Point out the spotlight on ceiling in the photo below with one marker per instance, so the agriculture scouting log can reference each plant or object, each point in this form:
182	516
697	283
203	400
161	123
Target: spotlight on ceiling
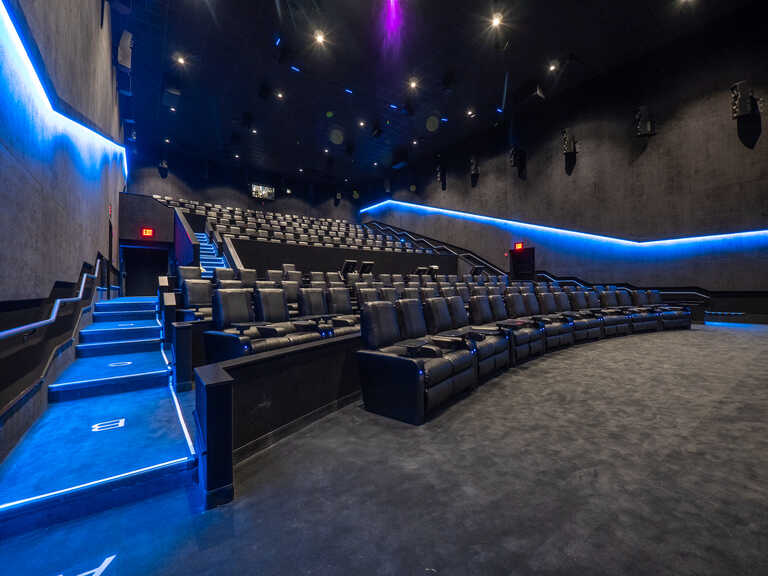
237	156
470	113
375	163
496	21
319	37
280	95
413	83
254	131
415	142
325	150
553	66
288	191
167	140
301	170
173	109
361	123
181	60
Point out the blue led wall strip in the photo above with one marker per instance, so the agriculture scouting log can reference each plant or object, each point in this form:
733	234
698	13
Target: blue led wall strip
9	36
573	233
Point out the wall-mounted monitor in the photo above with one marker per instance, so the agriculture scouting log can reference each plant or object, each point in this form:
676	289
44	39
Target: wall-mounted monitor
262	192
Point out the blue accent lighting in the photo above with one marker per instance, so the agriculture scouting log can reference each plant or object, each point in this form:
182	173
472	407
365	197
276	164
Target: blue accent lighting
25	106
594	244
347	90
277	41
500	110
444	120
295	69
393	107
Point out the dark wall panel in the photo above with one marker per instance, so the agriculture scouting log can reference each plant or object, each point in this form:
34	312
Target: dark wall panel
138	211
263	256
703	173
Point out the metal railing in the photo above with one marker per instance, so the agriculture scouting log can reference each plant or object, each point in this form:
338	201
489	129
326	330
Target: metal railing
55	310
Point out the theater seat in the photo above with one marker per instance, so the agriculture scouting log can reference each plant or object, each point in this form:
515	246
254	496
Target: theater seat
641	319
615	322
197	300
558	329
340	305
482	319
405	374
586	325
526	334
671	316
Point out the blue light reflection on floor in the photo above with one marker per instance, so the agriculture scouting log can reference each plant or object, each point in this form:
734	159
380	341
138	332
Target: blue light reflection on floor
738	326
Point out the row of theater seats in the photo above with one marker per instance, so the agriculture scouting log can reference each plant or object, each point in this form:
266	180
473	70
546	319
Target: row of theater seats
281	228
423	352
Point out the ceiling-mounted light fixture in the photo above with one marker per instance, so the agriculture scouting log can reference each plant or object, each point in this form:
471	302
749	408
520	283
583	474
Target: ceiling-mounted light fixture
319	37
413	83
496	20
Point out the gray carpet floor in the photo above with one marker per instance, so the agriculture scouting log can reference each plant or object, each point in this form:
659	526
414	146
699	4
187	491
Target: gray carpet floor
643	455
638	455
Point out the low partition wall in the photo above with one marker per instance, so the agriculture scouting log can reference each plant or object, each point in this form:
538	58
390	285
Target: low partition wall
263	256
247	404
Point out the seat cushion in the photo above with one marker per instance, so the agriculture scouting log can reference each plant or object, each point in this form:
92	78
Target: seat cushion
525	335
436	370
459	359
614	319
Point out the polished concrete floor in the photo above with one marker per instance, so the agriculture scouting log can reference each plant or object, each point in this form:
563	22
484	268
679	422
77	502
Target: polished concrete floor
640	455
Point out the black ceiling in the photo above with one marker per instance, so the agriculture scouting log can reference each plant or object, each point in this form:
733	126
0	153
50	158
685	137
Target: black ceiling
233	71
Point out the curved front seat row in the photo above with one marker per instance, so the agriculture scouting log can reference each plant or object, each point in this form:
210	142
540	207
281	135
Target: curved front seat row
404	373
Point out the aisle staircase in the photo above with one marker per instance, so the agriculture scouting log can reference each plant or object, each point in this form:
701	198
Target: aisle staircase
209	258
113	430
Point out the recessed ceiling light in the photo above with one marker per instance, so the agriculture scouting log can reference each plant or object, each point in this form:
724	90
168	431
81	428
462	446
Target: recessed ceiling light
496	21
181	60
413	83
301	170
415	142
375	163
552	66
319	37
325	150
237	156
173	109
254	131
280	95
167	140
361	123
288	191
470	112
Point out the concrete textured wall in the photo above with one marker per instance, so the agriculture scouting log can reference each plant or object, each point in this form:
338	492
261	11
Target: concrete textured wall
703	173
147	181
56	185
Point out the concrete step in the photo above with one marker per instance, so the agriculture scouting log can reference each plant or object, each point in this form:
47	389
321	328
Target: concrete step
124	315
117	347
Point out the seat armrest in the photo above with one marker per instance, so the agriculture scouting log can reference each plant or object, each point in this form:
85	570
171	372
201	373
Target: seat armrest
449	342
392	385
303	325
421	349
344	322
243	326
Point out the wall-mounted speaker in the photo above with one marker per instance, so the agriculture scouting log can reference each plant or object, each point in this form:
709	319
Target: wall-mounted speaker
644	122
568	142
742	100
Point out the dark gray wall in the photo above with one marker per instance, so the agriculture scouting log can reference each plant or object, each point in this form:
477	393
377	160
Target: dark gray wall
147	181
702	174
56	185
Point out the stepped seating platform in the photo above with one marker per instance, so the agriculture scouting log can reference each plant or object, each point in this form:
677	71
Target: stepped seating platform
113	432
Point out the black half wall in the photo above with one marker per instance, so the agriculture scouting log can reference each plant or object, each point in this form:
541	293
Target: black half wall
702	173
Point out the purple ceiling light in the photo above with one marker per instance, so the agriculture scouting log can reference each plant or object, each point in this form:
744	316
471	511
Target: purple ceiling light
392	21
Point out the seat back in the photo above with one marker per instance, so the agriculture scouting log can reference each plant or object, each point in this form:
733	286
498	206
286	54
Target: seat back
640	298
293	275
531	304
479	290
197	293
386	279
480	310
275	275
248	276
547	303
220	274
188	273
593	299
655	297
427	292
411	293
269	305
367	295
410	316
339	301
562	301
291	289
515	305
437	315
463	291
312	302
288	268
624	298
317	277
229	284
390	293
378	324
578	300
498	308
447	290
231	306
608	299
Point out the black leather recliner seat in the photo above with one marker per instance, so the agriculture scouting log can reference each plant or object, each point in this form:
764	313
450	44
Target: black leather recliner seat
197	300
492	344
527	335
609	304
642	319
404	374
558	329
671	317
586	325
615	322
313	303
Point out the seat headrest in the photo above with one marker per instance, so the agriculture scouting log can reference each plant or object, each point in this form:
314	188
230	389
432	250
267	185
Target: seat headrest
269	304
339	301
609	299
562	301
498	308
411	317
480	310
578	300
547	303
378	324
197	293
231	306
459	316
515	305
624	297
437	315
531	303
311	302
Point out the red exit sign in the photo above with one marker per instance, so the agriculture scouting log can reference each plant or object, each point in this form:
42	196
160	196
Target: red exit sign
147	232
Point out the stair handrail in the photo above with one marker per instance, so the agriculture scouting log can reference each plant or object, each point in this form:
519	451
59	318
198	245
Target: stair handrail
55	310
400	231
